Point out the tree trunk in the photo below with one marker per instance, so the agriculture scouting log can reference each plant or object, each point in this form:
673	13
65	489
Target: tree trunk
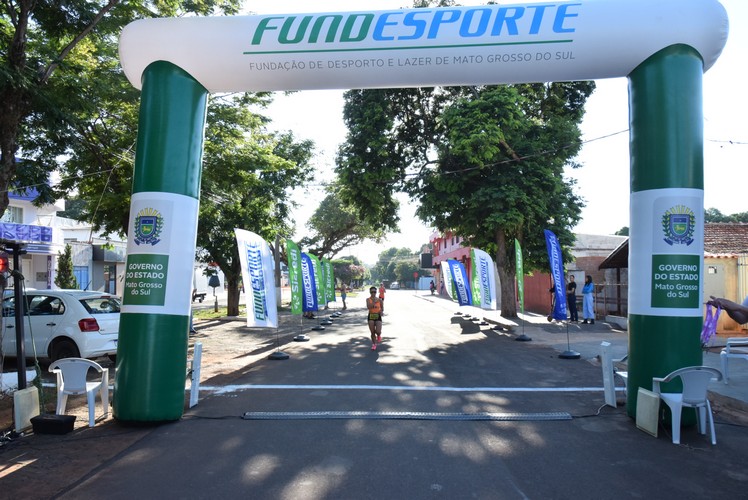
13	101
232	288
506	269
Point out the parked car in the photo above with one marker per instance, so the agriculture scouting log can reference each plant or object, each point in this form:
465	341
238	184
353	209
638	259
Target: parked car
63	324
394	285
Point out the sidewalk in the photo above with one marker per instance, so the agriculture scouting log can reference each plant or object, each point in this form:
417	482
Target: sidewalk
586	340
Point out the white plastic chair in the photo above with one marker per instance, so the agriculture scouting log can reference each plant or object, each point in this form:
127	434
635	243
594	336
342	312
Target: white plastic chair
736	348
695	382
609	373
71	381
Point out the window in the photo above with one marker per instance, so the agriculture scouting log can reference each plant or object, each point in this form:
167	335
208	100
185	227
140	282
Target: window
101	305
43	305
13	215
110	279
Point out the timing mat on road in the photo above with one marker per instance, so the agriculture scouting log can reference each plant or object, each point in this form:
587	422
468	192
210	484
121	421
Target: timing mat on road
402	415
247	387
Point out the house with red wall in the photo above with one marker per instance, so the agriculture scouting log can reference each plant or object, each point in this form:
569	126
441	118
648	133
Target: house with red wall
589	251
447	246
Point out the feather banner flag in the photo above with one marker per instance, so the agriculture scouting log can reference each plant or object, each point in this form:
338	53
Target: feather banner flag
319	280
259	282
483	279
329	281
447	279
460	282
309	283
294	276
520	272
557	272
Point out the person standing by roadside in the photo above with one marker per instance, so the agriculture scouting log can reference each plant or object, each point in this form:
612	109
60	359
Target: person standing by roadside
571	299
588	308
375	306
343	294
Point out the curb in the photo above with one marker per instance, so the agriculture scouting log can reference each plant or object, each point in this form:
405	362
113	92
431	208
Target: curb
733	409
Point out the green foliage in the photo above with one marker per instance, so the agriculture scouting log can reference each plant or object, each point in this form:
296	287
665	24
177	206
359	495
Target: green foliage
246	183
349	271
390	141
624	231
64	277
404	270
714	215
386	268
336	226
63	95
74	209
369	120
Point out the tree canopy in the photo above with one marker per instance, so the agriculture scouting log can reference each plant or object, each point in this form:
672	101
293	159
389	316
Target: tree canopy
58	65
392	263
483	162
65	103
349	271
335	226
714	215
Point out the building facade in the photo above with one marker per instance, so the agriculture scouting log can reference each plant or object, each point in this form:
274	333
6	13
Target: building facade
447	246
589	251
98	263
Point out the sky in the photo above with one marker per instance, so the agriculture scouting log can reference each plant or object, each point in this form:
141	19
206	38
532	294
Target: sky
603	179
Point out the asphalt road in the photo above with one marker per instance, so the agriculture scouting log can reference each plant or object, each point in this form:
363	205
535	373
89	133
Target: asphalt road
444	408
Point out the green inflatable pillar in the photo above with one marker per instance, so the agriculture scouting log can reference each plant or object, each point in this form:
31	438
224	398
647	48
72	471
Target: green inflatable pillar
152	351
666	252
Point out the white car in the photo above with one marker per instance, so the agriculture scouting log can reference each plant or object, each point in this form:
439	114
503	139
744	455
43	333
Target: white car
394	285
63	324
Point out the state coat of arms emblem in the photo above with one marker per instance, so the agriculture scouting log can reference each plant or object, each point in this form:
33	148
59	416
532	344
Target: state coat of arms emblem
148	226
678	225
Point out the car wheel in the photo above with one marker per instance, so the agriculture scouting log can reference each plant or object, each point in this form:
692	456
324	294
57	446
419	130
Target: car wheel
64	349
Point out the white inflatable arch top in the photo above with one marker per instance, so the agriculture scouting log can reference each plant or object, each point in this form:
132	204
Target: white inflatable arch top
491	44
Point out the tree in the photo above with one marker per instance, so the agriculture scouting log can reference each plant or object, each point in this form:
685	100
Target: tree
336	227
484	162
349	270
624	231
714	215
247	176
404	270
89	113
391	134
65	277
386	267
52	54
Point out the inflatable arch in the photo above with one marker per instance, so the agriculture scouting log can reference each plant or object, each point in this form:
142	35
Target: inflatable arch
662	47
